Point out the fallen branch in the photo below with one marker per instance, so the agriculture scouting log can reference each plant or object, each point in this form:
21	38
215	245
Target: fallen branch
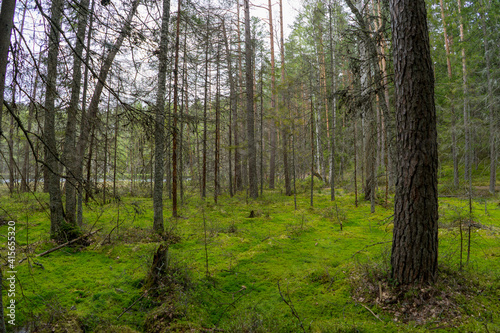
137	300
367	246
63	245
373	313
290	305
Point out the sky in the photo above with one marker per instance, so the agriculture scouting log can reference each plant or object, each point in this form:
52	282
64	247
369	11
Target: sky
290	10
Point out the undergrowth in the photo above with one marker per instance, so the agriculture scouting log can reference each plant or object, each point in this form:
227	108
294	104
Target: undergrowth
251	266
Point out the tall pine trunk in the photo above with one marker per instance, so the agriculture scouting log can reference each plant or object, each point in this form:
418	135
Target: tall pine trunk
252	161
49	134
69	152
415	237
160	122
174	125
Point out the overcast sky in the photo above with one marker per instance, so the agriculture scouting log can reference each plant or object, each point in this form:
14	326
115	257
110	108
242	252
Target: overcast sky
290	9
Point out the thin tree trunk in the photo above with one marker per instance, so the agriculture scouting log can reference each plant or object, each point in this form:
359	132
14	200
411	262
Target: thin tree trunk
334	107
467	135
91	117
261	129
355	163
6	24
26	163
286	126
49	135
105	165
174	128
69	152
272	161
252	165
205	107
491	105
233	105
452	106
241	166
160	122
78	177
217	127
372	54
312	148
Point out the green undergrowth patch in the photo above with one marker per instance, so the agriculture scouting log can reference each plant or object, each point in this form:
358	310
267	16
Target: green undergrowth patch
252	266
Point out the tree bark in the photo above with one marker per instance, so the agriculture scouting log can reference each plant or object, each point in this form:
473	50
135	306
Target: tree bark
160	122
334	106
174	127
205	110
272	160
415	237
286	125
6	24
491	106
217	127
252	161
233	103
467	135
49	134
69	153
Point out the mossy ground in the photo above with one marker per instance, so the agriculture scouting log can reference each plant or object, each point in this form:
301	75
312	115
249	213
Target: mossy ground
322	271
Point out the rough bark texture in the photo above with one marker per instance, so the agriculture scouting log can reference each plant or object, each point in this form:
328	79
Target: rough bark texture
176	99
49	134
252	161
160	122
415	238
333	88
6	24
274	109
286	134
233	102
69	153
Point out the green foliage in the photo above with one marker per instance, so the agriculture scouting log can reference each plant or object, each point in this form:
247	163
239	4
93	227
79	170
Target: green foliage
101	288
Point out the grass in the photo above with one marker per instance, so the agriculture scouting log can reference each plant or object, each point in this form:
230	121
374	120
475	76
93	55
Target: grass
321	270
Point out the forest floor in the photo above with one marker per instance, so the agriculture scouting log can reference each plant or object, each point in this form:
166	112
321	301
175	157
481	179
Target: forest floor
314	269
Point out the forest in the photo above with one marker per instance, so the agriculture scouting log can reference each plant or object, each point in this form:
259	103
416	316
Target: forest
249	166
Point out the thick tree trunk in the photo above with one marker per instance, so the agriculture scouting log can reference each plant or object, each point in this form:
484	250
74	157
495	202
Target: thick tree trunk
415	238
160	122
252	161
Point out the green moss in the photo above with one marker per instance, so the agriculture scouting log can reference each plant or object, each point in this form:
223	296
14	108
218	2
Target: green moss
101	286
